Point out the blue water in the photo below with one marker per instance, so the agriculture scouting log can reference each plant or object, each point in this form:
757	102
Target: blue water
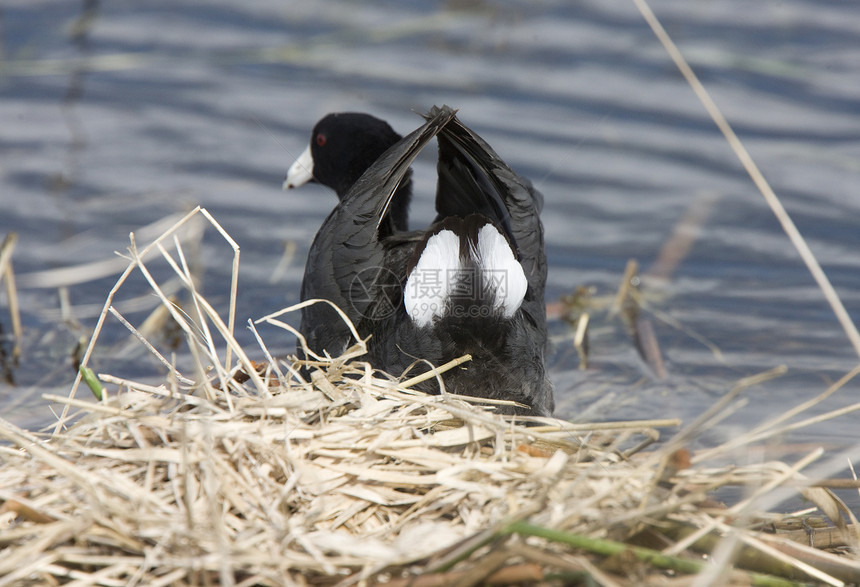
118	114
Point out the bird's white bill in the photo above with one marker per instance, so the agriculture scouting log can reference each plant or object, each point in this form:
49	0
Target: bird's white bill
301	171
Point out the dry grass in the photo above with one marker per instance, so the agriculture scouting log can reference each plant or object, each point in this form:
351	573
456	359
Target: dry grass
240	473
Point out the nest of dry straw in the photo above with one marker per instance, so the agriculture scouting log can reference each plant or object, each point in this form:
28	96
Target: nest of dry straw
241	473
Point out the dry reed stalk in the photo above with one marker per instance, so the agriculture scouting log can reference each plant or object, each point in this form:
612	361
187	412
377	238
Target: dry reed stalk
105	309
776	425
7	275
755	174
684	235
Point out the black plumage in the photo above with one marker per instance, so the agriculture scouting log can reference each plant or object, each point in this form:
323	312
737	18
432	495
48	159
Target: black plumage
488	231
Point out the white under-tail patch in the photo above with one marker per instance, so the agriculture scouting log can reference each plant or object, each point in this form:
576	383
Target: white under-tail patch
501	274
432	280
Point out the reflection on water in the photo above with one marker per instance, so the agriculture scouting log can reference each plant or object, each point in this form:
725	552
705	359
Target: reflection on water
118	115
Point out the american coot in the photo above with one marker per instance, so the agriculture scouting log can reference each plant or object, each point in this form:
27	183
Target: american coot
473	282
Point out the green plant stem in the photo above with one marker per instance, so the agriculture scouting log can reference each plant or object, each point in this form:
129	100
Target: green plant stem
647	555
92	381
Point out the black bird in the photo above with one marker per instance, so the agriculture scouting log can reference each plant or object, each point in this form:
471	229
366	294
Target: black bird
473	282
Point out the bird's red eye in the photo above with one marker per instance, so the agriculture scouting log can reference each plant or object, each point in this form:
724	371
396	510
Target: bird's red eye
321	140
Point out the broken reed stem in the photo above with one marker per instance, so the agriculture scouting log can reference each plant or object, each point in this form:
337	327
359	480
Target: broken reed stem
772	424
436	371
709	417
580	340
773	427
625	425
197	332
743	506
105	311
7	274
782	558
624	288
136	333
357	350
234	280
755	174
682	239
84	405
199	319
